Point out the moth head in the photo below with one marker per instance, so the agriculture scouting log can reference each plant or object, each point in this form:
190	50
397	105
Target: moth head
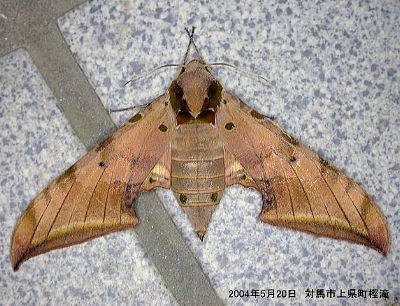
195	93
196	65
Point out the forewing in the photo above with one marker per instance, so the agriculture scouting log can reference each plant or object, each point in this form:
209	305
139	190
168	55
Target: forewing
300	190
90	198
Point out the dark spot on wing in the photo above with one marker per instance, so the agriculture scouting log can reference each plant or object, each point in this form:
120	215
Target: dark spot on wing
243	177
135	118
323	161
162	128
229	126
290	139
256	115
151	180
101	164
67	174
214	197
327	165
104	144
292	159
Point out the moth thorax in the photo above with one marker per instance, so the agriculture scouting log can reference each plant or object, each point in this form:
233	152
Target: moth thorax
195	84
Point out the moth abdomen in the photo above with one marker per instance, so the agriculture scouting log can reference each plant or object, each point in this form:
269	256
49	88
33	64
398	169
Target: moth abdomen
197	165
197	171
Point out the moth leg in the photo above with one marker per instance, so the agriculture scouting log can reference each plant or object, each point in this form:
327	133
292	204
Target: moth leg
130	197
267	196
133	107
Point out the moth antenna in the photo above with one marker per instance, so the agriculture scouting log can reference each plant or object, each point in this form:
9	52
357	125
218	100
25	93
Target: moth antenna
240	69
152	71
191	42
198	52
128	108
189	45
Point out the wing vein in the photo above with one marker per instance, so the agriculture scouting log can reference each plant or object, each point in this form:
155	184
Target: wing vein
288	189
73	210
362	219
91	196
322	200
302	187
106	203
37	224
340	206
59	209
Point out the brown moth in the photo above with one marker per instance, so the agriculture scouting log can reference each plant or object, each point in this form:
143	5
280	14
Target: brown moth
197	139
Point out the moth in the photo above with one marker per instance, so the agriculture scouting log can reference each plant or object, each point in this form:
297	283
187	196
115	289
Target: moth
197	139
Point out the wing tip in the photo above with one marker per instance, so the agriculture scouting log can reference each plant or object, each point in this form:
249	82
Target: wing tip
17	256
380	243
17	251
16	263
20	251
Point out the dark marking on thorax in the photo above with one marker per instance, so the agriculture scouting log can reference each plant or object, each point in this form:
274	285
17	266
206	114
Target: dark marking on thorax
195	95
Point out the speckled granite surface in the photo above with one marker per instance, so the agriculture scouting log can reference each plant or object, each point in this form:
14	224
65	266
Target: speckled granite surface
334	84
